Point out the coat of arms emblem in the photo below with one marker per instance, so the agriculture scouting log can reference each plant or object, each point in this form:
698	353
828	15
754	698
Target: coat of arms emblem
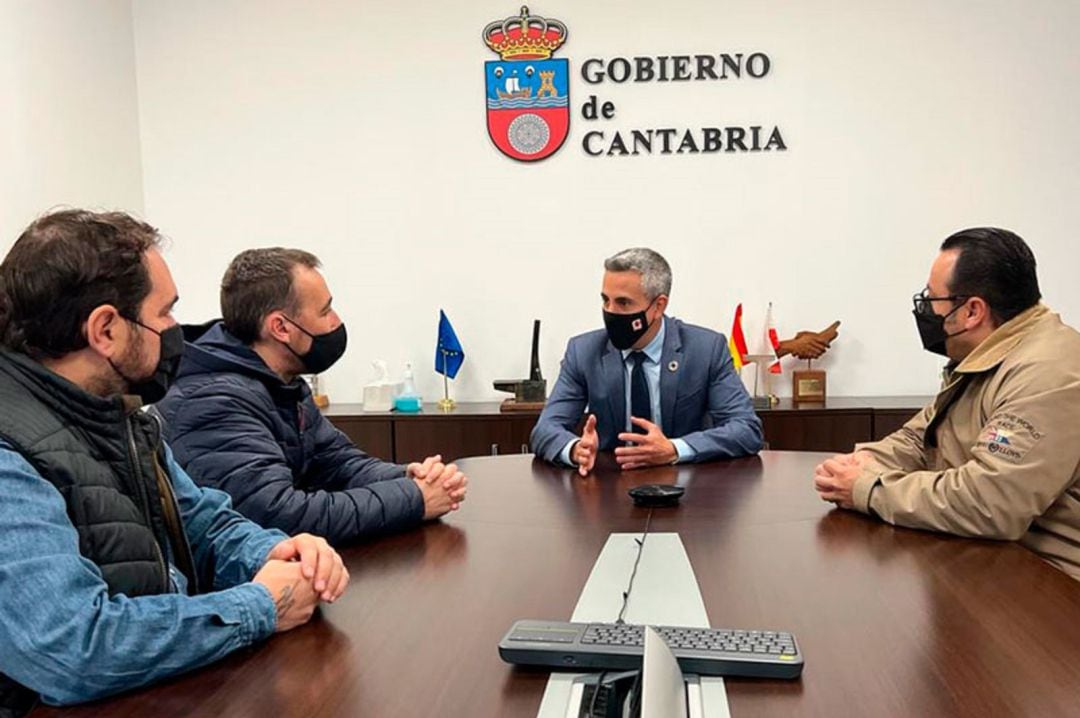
528	92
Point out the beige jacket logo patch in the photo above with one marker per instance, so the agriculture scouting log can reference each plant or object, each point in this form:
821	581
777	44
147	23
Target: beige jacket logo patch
1009	436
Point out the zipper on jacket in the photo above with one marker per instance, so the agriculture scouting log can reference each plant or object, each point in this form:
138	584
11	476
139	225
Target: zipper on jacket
165	486
176	525
133	457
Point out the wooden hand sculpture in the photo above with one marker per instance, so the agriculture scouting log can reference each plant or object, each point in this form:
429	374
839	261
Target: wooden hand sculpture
809	345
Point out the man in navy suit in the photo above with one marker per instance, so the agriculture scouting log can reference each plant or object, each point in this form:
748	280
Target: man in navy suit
658	391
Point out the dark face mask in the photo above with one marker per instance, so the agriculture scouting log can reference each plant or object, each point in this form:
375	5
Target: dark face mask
325	350
931	328
153	388
624	330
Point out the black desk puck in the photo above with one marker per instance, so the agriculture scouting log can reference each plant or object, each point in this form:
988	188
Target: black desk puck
656	495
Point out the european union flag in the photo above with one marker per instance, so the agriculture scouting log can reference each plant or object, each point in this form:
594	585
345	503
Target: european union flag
449	356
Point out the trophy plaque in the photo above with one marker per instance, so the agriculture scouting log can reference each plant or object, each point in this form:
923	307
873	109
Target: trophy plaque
808	385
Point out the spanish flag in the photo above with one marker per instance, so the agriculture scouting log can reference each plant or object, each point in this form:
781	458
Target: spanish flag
737	342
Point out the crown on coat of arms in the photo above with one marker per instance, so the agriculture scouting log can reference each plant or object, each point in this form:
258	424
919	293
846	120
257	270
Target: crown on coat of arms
525	36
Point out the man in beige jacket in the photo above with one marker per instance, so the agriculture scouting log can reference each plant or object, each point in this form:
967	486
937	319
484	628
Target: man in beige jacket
997	453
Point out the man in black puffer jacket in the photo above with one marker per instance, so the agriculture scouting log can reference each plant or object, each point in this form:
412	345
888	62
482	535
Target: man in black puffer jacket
240	418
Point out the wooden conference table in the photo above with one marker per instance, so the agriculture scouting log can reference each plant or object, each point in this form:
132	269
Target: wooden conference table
891	621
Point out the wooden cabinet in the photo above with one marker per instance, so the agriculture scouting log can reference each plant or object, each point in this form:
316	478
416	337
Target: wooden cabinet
466	436
838	424
821	430
471	429
373	435
479	429
886	421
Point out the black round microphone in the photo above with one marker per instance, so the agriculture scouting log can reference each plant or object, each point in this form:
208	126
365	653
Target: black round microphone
656	495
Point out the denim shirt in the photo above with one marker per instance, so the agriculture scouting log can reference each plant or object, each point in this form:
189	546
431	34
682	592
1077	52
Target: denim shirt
62	635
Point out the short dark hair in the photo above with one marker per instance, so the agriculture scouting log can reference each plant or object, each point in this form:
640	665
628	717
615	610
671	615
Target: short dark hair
63	266
998	266
257	282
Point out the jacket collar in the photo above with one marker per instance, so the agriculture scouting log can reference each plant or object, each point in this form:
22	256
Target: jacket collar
670	371
61	396
993	350
217	351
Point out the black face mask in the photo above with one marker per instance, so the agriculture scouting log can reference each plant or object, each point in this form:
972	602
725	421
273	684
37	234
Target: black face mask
153	388
931	328
624	330
325	350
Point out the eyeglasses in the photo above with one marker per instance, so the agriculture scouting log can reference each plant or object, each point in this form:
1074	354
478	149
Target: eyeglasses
923	301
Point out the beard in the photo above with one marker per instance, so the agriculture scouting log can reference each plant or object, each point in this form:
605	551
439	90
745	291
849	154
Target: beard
125	369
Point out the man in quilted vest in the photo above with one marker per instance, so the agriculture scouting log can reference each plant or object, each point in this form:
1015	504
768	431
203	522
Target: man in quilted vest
117	570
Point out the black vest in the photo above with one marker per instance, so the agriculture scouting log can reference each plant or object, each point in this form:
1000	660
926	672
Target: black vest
104	456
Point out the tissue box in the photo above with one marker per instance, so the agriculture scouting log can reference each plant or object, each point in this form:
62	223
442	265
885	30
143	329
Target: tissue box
379	397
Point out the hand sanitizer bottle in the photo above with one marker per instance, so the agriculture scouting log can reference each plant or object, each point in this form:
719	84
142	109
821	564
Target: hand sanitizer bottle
408	400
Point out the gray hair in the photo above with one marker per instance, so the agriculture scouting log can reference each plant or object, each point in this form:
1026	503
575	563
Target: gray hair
654	270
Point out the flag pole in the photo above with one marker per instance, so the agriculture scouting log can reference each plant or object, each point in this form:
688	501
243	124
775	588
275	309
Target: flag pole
446	403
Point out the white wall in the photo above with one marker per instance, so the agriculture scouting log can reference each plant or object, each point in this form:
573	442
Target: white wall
356	129
69	131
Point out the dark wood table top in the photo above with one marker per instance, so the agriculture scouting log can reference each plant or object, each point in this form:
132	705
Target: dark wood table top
892	622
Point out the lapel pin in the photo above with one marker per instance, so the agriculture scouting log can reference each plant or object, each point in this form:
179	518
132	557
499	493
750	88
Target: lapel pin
673	366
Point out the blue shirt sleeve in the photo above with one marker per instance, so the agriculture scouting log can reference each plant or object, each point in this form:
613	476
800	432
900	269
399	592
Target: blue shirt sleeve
65	637
685	451
564	455
224	543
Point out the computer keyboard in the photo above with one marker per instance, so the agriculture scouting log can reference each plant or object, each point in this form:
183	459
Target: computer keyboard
613	646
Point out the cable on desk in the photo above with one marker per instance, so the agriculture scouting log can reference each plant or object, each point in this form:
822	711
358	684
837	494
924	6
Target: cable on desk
630	586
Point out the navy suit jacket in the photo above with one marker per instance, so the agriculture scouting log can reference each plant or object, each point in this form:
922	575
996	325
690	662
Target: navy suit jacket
702	401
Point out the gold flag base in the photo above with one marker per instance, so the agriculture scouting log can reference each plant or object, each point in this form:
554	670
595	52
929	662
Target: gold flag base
446	404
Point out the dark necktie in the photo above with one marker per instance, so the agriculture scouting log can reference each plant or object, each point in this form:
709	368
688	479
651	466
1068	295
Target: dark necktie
640	404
